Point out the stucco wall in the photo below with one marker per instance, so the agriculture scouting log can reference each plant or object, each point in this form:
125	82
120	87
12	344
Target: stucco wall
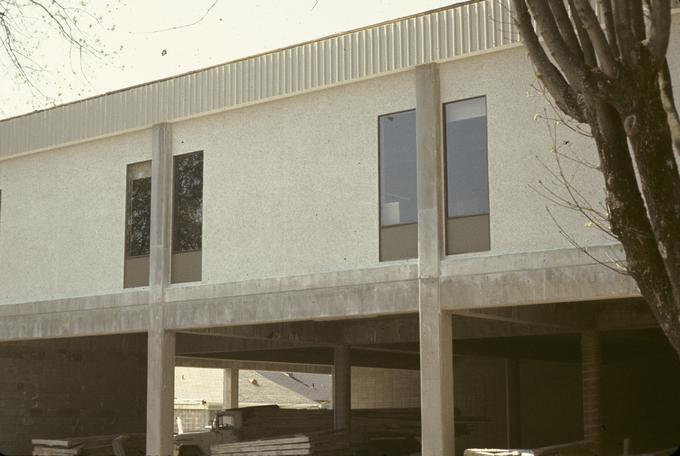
291	186
517	147
62	227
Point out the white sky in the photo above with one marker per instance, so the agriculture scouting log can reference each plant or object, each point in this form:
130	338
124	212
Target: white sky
231	30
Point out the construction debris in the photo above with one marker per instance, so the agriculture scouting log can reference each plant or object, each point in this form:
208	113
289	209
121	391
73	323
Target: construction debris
317	444
103	445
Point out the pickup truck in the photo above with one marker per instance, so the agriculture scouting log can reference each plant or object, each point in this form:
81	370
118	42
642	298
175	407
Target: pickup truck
198	443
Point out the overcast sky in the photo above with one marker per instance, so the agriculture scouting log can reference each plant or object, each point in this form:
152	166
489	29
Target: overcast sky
231	29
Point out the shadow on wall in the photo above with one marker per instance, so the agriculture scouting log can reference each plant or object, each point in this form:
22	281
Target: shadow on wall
64	387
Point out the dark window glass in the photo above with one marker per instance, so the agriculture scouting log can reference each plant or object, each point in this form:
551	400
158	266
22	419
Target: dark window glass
398	186
467	178
138	210
188	210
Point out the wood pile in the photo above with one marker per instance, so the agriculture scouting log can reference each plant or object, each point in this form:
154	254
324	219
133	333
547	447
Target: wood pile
314	444
258	422
103	445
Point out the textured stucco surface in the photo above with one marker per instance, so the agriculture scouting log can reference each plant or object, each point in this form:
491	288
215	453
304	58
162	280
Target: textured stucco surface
291	186
62	232
517	145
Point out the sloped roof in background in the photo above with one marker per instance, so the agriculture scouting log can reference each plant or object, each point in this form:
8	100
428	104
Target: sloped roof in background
399	44
316	387
290	390
267	391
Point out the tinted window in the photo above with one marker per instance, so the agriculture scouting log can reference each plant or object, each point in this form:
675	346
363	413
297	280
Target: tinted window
188	210
398	185
466	161
467	195
138	209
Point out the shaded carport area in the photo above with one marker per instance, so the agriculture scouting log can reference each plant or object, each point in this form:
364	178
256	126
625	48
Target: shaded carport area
524	377
67	387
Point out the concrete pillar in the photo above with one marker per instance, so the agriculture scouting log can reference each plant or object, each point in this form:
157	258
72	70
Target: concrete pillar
436	342
161	343
160	391
512	404
342	388
591	365
230	397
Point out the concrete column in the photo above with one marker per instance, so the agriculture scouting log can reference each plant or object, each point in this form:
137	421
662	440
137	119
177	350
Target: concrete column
230	397
161	343
160	391
591	365
342	388
436	342
512	403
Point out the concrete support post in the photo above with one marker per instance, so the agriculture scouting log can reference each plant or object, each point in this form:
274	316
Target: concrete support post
436	342
512	404
342	388
230	397
160	391
591	364
161	343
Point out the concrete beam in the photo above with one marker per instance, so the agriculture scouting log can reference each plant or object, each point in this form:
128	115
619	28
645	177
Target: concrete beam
364	300
211	363
514	287
194	344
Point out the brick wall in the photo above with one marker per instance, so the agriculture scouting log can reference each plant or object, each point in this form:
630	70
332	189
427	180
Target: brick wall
385	388
71	387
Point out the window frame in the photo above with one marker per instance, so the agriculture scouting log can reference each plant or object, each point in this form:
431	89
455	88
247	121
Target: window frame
175	185
380	181
128	190
445	157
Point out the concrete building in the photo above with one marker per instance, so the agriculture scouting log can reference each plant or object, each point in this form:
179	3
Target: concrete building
290	211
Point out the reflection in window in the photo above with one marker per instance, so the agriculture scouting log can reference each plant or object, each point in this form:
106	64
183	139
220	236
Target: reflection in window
467	181
188	211
398	186
137	225
138	209
187	224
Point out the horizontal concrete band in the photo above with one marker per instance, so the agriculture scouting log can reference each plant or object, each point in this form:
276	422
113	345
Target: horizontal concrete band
503	280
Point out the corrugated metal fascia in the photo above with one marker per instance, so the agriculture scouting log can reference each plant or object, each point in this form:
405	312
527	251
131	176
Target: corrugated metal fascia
392	46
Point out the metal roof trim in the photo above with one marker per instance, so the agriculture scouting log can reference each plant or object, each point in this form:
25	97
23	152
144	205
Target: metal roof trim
437	35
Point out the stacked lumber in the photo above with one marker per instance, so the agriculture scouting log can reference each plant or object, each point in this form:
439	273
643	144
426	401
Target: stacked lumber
258	422
386	422
270	421
102	445
314	444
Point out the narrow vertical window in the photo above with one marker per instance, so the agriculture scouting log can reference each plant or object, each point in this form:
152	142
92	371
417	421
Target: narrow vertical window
398	186
137	225
467	181
187	218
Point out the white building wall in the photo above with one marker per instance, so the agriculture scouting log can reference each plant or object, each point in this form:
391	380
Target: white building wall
291	186
517	147
62	226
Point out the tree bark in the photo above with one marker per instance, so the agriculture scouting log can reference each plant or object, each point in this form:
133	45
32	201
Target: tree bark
618	76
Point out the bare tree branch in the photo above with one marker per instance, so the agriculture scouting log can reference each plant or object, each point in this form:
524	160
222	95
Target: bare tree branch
659	31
